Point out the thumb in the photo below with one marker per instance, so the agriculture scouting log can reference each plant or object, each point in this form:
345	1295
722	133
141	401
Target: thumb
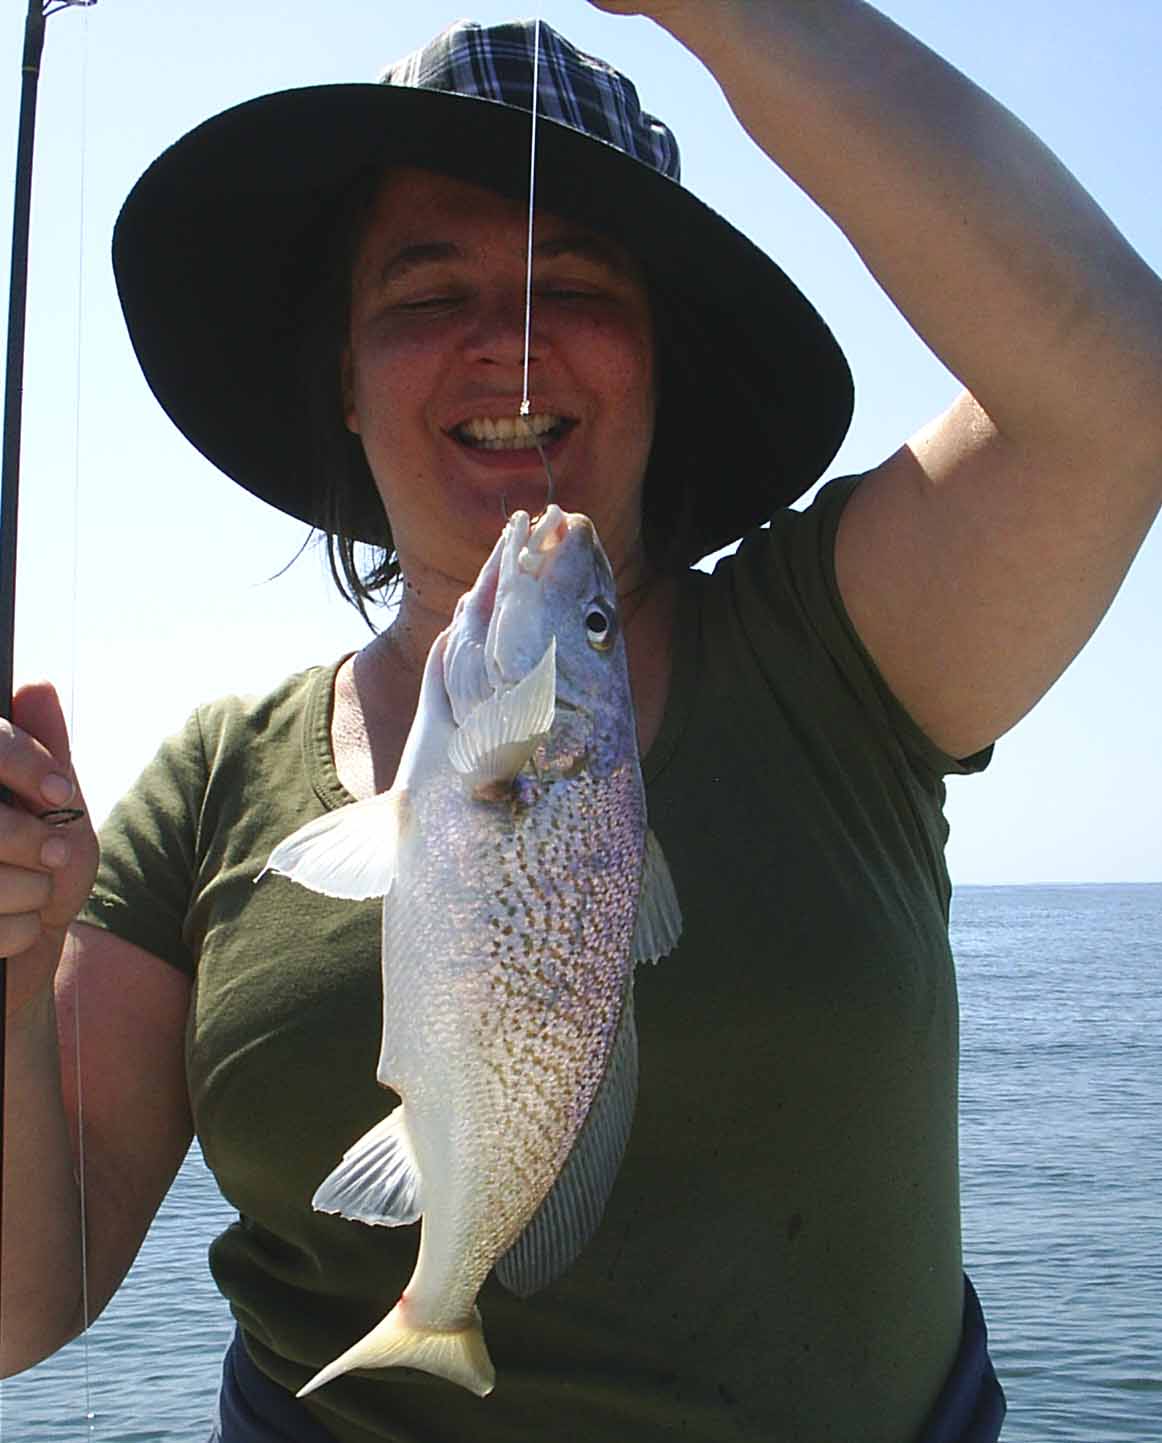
36	709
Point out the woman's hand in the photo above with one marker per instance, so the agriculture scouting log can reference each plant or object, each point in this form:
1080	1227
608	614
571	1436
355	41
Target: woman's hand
48	858
126	1007
656	9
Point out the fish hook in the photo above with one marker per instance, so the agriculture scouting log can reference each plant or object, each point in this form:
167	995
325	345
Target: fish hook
551	490
551	494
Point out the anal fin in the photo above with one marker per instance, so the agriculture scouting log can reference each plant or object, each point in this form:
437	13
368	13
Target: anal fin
377	1181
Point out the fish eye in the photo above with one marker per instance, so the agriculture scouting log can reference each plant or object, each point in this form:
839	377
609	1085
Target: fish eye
598	628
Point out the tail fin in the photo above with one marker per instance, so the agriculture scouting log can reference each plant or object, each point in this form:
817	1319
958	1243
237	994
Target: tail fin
461	1357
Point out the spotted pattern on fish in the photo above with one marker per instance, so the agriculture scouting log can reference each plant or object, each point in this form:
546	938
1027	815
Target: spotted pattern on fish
516	854
548	1001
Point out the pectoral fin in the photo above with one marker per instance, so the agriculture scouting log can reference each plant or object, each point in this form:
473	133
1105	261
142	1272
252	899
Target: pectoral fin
571	1211
347	853
659	918
378	1181
500	736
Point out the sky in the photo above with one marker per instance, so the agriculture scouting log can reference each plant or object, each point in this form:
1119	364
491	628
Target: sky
149	583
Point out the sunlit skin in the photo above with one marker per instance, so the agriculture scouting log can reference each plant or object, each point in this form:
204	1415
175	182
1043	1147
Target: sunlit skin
436	339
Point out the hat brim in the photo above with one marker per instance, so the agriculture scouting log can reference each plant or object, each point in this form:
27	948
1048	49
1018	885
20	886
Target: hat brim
214	243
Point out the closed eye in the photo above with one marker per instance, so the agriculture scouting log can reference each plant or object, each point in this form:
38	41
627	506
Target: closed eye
565	291
427	303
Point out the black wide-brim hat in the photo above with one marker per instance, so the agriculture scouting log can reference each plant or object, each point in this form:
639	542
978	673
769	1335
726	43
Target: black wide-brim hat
223	238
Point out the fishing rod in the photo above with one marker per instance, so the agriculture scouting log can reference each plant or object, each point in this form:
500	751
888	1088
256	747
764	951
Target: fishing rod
34	28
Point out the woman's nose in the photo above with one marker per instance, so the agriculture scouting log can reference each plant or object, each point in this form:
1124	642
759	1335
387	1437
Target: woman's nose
499	329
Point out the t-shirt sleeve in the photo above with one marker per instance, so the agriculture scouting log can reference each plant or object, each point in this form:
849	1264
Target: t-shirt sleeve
788	571
148	853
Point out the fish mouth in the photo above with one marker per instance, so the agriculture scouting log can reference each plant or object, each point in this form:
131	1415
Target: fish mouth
516	638
546	533
499	630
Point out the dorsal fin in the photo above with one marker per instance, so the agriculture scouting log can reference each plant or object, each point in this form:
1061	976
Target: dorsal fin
572	1209
659	918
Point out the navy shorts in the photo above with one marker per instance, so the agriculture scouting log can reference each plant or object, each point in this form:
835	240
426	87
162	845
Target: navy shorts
253	1408
971	1407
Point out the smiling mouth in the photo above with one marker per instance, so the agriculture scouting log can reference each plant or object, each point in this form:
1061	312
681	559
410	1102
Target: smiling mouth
511	433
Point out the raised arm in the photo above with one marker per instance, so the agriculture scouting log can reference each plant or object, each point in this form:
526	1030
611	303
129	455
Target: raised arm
977	560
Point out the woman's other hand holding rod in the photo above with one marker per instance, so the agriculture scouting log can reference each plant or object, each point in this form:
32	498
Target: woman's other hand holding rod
133	1011
45	875
48	858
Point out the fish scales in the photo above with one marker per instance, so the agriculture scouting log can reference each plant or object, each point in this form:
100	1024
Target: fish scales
537	939
557	972
520	886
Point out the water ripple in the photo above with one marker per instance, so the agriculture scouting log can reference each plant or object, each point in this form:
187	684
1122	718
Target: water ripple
155	1354
1061	1092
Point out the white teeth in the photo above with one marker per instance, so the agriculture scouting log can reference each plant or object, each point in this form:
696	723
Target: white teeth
507	433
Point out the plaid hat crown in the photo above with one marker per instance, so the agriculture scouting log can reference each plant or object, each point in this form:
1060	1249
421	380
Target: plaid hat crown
577	90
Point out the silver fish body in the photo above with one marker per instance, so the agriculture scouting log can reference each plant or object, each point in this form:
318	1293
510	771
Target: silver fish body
521	886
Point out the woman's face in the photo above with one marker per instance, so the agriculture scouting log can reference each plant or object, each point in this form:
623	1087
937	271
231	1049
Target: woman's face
433	369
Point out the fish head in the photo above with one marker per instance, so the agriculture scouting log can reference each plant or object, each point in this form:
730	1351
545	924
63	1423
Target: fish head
547	581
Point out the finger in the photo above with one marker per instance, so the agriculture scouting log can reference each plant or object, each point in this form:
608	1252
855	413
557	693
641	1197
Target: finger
32	842
22	890
36	709
31	773
19	933
34	751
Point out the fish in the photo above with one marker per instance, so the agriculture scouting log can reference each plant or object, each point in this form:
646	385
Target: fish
521	886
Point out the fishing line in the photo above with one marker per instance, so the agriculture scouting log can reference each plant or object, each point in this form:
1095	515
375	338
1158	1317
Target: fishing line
89	1414
83	127
64	815
526	404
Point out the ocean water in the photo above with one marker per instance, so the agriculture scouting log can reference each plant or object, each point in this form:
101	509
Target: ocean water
1061	1145
1061	1151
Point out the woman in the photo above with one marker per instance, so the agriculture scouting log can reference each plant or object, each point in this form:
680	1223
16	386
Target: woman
780	1257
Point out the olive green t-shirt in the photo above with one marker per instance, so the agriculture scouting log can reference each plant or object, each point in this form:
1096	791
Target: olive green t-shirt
780	1258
